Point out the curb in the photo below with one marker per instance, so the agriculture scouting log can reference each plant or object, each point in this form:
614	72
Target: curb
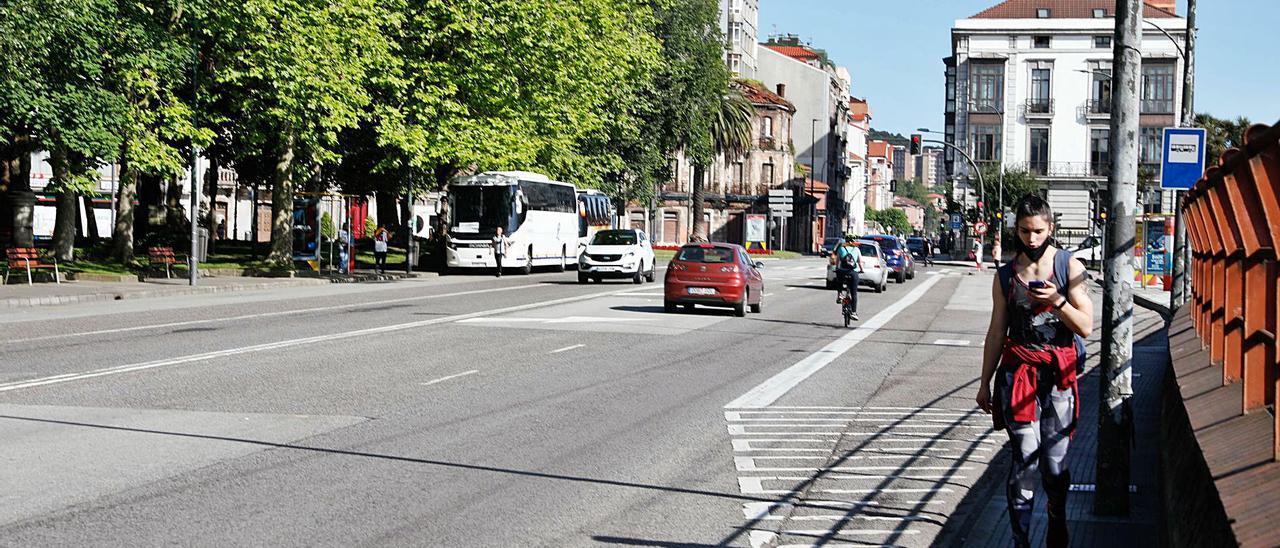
26	302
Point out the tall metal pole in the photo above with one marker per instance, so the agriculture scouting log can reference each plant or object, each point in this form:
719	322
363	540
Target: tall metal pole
1181	252
1115	420
193	263
813	170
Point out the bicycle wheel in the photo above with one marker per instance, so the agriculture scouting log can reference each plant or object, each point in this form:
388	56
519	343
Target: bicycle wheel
848	313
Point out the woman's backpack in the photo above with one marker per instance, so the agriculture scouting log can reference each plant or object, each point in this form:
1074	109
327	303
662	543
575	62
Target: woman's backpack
1061	273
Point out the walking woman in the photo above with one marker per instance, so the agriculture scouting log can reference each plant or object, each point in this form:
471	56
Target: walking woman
1042	311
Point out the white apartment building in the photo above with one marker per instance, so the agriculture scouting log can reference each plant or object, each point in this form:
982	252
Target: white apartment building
740	20
859	173
1028	85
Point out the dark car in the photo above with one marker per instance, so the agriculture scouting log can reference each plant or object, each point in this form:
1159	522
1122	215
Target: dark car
919	248
829	245
896	255
713	274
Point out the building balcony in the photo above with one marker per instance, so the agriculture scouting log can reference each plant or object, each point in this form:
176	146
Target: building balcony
1094	108
1038	108
1157	106
1063	169
993	106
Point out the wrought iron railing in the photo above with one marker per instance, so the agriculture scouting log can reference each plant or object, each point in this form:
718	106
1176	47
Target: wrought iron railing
1037	107
1062	169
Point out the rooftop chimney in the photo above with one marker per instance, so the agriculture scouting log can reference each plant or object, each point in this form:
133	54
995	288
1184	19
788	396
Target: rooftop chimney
782	90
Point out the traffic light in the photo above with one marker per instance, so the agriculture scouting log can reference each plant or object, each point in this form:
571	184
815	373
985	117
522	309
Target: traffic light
979	204
893	186
915	144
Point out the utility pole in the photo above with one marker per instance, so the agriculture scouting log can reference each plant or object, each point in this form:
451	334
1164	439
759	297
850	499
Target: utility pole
1181	256
1115	411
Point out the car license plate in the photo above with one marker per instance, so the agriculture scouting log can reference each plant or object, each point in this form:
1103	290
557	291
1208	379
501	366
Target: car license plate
702	291
607	268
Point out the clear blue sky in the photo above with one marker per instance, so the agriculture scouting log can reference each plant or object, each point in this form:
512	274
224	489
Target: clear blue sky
894	51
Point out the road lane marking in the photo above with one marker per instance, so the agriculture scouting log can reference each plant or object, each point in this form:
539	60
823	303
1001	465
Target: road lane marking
769	391
205	356
266	314
442	379
567	348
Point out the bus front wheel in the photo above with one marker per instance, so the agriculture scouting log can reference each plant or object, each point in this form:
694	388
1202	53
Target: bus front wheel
528	264
564	253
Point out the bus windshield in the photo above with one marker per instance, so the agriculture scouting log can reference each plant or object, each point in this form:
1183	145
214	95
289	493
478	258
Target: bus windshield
481	209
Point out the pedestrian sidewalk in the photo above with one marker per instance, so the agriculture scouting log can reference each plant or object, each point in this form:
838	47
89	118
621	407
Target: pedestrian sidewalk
74	292
982	519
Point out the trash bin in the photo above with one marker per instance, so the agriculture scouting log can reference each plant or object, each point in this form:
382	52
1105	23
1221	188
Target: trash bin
202	244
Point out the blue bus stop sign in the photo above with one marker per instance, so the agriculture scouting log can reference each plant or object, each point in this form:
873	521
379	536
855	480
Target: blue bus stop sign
1183	160
956	221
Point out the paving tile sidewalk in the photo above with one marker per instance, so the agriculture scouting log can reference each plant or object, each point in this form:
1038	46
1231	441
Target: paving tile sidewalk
983	519
75	292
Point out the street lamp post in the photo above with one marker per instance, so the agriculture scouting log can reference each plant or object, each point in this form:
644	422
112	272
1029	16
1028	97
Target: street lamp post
813	169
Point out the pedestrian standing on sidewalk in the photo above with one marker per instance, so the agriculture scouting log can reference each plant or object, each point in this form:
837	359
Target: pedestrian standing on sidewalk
977	253
500	245
996	252
1041	309
344	249
380	239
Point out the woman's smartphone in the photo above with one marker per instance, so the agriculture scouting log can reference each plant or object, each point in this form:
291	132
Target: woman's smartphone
1037	284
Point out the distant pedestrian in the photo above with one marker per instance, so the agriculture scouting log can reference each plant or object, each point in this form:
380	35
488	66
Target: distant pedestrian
380	239
977	253
996	252
500	245
1041	311
344	249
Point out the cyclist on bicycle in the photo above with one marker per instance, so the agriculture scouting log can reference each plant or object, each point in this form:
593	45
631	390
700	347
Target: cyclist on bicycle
848	265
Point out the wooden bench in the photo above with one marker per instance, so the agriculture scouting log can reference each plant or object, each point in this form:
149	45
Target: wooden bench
162	255
29	259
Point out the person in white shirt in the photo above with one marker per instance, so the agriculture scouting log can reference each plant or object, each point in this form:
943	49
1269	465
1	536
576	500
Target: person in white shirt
380	239
500	245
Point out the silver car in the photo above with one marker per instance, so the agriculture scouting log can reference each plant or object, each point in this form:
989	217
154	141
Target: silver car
874	272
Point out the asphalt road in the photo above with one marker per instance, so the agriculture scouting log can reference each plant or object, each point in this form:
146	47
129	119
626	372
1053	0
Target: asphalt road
473	411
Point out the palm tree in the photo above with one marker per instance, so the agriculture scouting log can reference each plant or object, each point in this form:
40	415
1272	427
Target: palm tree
730	138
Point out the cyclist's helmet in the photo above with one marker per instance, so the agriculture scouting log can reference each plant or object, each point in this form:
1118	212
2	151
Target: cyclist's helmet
849	238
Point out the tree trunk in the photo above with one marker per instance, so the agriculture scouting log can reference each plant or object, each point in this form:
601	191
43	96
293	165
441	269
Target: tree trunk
22	201
699	231
64	225
126	190
90	221
282	204
211	194
386	204
175	214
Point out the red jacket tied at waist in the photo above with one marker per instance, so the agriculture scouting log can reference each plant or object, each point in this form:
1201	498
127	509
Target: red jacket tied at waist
1025	362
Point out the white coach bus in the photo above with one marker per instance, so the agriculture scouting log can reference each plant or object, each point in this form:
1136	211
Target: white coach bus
538	215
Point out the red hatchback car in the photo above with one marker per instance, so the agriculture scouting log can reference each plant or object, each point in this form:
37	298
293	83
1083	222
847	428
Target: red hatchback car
714	274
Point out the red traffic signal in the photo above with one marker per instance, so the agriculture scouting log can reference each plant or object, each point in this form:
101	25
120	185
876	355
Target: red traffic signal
916	141
979	204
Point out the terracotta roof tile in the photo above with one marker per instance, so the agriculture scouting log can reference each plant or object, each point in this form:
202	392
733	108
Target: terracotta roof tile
881	149
1066	9
799	53
760	95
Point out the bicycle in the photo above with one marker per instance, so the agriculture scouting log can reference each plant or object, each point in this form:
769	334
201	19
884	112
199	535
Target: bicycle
846	305
845	300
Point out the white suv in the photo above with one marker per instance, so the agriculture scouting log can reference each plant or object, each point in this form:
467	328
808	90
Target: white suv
618	253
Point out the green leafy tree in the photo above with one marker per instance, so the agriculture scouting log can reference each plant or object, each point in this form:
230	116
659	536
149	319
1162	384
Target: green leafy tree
1221	134
1016	184
296	73
730	138
892	219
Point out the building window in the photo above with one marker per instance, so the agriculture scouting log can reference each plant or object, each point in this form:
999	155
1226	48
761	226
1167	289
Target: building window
1038	152
987	90
1157	88
1099	13
737	178
1040	42
1099	151
986	143
1150	149
1039	101
766	174
766	127
1043	13
1102	42
1100	93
